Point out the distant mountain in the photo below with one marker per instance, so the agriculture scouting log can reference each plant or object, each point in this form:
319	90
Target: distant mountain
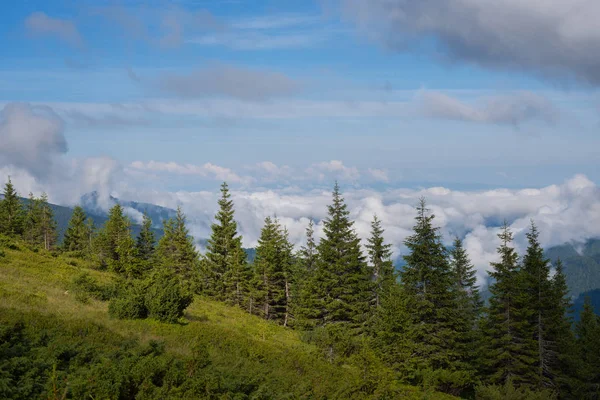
582	265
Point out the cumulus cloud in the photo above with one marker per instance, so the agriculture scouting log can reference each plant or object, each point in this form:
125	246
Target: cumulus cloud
567	212
230	81
551	38
39	23
31	138
513	109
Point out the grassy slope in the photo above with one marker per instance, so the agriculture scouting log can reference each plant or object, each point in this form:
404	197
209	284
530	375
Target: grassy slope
37	283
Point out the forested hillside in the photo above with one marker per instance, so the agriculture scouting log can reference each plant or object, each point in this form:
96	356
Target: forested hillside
155	319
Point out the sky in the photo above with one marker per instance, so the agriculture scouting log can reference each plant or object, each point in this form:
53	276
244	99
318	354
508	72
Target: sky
491	108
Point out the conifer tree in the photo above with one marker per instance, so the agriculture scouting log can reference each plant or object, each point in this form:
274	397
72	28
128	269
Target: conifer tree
339	290
503	356
76	236
114	245
31	221
176	248
433	331
146	241
562	359
11	211
588	346
533	306
380	258
48	230
304	299
289	275
237	279
223	243
269	272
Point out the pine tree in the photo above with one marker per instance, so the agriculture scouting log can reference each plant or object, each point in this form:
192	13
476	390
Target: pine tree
380	257
339	290
236	279
146	241
224	242
504	354
176	248
289	264
429	287
76	236
533	305
11	211
588	346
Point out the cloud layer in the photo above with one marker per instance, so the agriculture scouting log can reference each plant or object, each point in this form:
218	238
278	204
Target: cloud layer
556	39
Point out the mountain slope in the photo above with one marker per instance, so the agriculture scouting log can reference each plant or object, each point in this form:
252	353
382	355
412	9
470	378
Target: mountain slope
50	342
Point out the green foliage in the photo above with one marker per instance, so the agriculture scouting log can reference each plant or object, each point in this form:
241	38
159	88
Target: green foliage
508	391
39	228
12	214
114	247
588	351
380	258
433	331
223	251
85	286
339	289
146	242
78	234
165	297
176	248
130	302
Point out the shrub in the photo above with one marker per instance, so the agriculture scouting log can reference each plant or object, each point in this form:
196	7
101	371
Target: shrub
509	392
129	304
166	299
85	286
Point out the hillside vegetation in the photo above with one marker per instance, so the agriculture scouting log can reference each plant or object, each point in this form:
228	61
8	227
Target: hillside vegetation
57	343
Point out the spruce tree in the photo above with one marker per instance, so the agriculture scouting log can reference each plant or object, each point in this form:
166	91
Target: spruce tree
562	359
505	355
236	280
339	290
76	236
380	258
269	273
11	211
588	346
146	242
534	306
114	245
223	244
31	221
304	302
433	331
48	229
176	248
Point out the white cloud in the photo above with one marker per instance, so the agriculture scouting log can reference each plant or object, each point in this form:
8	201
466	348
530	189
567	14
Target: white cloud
206	170
333	169
31	137
380	175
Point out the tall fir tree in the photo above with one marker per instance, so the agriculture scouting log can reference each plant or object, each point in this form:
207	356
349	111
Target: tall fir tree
31	221
236	280
12	214
223	244
380	259
269	289
76	236
339	289
176	248
48	226
146	242
562	359
588	351
433	331
505	356
534	303
304	301
114	245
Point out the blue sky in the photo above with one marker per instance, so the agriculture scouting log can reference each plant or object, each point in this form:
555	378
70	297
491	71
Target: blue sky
299	93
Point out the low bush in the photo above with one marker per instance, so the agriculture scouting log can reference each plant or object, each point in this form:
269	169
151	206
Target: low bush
166	299
130	303
85	286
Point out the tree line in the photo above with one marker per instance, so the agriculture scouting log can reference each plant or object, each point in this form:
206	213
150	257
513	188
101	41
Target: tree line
426	321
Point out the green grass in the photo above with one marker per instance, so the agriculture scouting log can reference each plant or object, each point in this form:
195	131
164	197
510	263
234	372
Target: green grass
35	288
